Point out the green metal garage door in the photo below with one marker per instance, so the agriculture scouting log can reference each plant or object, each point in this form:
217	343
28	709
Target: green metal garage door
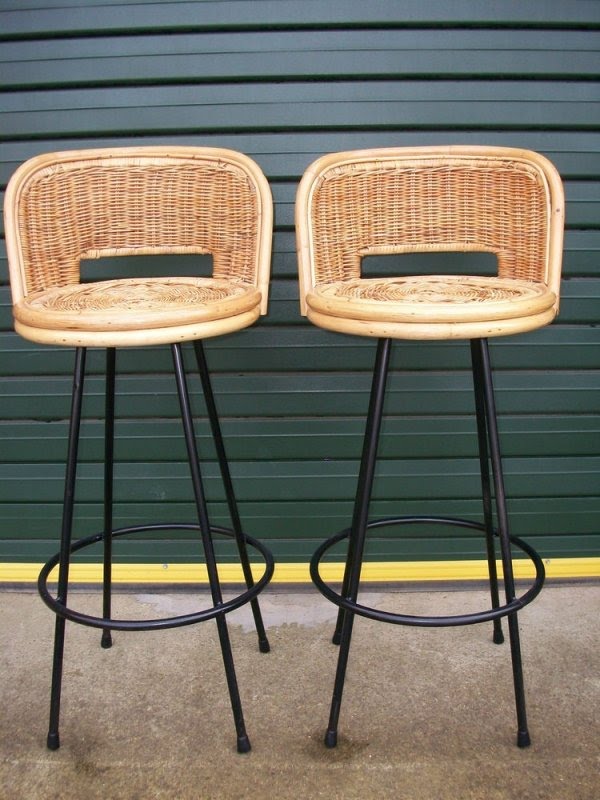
286	81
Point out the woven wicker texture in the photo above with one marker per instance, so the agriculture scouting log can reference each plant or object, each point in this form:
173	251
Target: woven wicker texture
493	200
65	207
131	304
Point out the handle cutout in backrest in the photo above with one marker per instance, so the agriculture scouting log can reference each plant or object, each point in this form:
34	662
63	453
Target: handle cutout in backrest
431	263
187	265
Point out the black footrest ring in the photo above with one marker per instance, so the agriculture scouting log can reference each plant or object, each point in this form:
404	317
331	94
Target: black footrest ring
153	624
425	621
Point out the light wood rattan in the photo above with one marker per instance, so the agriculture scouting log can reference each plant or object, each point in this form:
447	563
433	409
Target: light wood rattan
496	200
62	208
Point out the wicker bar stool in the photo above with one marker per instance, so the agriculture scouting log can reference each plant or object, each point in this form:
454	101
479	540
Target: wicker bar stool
503	201
62	208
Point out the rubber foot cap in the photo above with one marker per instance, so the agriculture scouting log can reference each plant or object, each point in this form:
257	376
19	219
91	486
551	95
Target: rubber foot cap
331	739
264	646
243	744
53	741
337	637
523	739
106	641
498	637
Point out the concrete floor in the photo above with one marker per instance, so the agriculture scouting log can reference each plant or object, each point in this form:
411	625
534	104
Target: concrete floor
427	714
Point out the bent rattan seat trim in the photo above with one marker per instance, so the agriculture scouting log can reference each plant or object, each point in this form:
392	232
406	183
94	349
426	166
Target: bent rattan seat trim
137	311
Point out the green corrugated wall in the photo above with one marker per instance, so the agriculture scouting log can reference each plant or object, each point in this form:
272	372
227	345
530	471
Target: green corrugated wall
286	81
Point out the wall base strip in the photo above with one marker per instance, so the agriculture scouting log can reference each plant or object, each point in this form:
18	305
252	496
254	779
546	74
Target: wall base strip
298	573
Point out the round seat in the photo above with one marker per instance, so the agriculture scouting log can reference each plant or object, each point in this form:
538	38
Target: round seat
136	311
431	306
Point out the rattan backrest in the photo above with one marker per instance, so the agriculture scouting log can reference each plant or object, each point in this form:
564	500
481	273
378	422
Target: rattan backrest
62	208
399	200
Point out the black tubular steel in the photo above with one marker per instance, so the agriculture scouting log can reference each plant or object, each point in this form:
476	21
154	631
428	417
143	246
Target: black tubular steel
367	469
57	600
486	489
109	456
422	621
53	740
152	624
243	742
489	451
523	739
240	538
359	527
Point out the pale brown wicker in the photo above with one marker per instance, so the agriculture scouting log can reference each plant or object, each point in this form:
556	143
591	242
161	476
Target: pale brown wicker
64	207
497	200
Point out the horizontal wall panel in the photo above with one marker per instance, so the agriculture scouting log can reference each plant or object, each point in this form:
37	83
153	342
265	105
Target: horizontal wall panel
93	52
291	544
538	516
305	348
285	154
294	550
340	105
302	480
314	394
580	301
40	18
282	439
293	65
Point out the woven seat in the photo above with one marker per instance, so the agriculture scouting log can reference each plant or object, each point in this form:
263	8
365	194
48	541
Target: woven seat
431	306
159	309
430	200
62	209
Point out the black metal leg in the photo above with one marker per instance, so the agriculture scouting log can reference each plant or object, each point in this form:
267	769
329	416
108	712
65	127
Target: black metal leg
109	449
523	739
383	351
243	743
263	642
53	740
486	491
359	526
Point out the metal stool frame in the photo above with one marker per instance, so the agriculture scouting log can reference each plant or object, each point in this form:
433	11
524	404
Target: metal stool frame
347	600
58	603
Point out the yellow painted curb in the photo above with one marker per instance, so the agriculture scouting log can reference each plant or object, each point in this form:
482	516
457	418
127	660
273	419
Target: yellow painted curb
373	571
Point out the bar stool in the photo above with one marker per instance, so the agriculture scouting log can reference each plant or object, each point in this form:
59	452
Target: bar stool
431	200
62	208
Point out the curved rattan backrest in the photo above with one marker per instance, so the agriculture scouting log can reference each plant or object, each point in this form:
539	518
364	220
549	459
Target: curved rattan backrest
62	208
399	200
